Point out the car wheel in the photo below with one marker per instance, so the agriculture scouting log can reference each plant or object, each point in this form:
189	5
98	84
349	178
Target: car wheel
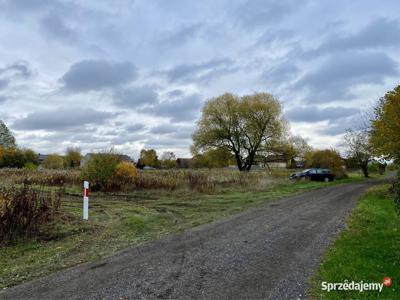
326	179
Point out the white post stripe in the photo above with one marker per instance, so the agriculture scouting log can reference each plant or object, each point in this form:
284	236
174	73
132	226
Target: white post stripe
85	201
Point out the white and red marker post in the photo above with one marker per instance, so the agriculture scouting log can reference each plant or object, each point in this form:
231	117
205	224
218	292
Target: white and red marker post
86	200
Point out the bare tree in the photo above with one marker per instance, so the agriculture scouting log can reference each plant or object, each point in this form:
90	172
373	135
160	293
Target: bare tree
359	148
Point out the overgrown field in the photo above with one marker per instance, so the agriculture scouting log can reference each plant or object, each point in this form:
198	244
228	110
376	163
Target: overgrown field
368	250
202	180
166	202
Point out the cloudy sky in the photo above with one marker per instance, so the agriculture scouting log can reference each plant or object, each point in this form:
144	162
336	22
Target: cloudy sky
130	74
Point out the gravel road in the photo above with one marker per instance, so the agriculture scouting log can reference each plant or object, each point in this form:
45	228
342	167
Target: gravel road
266	252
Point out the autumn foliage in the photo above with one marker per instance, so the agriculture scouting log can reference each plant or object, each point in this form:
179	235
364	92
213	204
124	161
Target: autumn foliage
386	126
125	174
328	158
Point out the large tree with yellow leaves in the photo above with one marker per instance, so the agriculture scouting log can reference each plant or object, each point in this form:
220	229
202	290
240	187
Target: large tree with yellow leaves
386	126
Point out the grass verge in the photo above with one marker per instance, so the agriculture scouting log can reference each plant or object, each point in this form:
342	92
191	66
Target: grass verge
367	250
117	222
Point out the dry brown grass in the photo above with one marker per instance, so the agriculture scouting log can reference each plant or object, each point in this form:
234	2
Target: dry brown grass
41	177
23	211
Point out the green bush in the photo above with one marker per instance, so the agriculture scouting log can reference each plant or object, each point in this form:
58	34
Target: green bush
30	157
376	167
72	158
30	166
53	161
373	167
99	171
328	158
341	175
17	158
392	167
397	191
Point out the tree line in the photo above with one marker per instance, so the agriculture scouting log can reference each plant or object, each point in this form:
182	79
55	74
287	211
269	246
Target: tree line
246	131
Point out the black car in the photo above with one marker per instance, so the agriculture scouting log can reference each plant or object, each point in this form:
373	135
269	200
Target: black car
315	174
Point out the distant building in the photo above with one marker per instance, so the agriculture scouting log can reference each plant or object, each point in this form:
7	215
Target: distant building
276	161
88	156
41	158
148	168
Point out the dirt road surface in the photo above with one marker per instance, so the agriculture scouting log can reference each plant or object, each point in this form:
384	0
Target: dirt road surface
266	252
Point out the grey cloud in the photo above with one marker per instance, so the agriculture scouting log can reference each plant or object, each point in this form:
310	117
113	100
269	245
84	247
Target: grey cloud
259	13
61	119
56	28
175	93
173	130
315	114
165	142
87	75
135	127
337	128
135	96
4	83
121	139
275	35
84	138
338	73
184	132
28	5
193	45
17	69
282	73
181	35
37	8
378	34
183	109
200	72
162	129
14	72
333	130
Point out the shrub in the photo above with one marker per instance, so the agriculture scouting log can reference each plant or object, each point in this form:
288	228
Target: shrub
72	158
329	159
17	158
24	211
373	167
99	171
396	187
376	167
125	174
30	166
53	161
12	158
30	157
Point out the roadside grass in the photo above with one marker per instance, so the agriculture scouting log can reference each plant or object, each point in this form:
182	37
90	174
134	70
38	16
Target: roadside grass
119	221
368	250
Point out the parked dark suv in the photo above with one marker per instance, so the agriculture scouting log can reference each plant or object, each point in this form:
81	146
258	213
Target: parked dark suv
315	174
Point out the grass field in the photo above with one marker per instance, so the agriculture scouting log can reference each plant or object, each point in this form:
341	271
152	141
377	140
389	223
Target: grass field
368	250
119	221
